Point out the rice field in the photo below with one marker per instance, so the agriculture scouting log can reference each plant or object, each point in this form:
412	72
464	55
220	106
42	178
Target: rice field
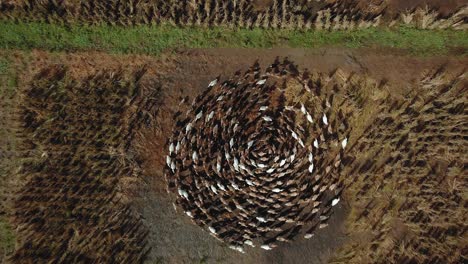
88	91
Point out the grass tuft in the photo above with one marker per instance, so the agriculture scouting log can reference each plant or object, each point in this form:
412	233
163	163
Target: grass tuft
7	239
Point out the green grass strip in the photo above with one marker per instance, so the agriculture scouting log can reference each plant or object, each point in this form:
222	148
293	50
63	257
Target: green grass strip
155	39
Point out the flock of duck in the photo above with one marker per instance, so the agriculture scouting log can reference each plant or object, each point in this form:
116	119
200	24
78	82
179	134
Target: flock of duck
256	159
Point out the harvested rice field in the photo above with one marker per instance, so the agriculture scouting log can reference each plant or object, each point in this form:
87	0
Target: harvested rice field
233	131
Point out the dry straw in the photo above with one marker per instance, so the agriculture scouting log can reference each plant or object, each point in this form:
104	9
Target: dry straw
286	14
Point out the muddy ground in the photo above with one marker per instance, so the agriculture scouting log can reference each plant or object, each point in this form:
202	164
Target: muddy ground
173	238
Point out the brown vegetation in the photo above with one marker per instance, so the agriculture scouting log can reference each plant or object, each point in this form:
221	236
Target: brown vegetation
328	15
75	146
406	184
407	181
381	229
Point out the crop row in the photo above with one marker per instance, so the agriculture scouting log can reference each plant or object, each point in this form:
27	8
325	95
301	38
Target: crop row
286	14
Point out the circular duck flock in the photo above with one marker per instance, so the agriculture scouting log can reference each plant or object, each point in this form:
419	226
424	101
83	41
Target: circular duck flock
256	159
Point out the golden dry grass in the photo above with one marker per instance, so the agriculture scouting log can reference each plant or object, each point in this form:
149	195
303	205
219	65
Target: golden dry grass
76	156
406	184
324	15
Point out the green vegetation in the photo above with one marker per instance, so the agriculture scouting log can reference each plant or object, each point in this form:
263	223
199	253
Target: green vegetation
7	239
4	64
8	77
153	40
